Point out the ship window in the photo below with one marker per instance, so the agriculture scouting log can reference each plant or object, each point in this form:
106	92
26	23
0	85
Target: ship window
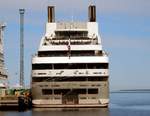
52	53
79	91
65	53
57	98
92	91
40	79
59	66
82	97
94	79
97	78
98	66
46	91
68	91
82	53
65	91
37	79
71	66
70	34
93	98
62	79
67	79
41	66
58	91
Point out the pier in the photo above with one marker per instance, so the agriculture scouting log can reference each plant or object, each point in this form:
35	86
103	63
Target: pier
18	101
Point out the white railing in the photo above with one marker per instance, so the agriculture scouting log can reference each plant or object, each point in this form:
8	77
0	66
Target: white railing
73	47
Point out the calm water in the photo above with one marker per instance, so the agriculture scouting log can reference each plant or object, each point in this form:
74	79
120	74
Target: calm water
121	104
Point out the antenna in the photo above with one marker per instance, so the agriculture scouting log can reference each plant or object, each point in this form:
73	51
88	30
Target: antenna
91	2
72	15
72	18
72	10
21	11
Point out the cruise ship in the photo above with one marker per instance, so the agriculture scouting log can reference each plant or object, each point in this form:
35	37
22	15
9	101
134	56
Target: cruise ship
70	68
3	72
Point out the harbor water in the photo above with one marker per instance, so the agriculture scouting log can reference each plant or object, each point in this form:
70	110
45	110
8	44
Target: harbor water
126	103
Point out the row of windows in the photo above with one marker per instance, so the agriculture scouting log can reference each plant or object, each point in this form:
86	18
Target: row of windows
69	91
70	66
71	38
68	79
70	34
65	53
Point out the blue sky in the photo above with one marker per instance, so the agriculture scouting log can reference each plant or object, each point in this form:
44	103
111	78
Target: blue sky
124	28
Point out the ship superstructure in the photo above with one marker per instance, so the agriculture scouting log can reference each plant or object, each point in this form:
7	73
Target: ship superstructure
70	68
3	73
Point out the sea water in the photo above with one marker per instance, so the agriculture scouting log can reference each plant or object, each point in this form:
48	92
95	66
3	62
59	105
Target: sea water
126	103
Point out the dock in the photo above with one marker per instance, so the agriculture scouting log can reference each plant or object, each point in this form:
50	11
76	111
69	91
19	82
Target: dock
19	101
9	101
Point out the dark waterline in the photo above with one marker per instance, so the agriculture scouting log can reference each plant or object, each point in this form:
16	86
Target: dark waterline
121	104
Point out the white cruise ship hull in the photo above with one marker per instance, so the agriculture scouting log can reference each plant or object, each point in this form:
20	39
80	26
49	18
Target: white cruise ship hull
70	69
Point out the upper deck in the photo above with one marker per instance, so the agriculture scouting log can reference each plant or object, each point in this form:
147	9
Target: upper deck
78	35
70	42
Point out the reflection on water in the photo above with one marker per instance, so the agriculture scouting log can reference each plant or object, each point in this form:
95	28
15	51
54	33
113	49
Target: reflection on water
15	113
59	112
71	112
121	104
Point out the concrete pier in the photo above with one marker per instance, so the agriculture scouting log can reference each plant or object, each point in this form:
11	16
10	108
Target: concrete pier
20	103
13	102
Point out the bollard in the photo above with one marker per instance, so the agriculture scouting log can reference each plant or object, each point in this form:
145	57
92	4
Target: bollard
21	104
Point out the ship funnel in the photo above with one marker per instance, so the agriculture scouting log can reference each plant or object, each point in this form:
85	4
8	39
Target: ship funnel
51	14
92	13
